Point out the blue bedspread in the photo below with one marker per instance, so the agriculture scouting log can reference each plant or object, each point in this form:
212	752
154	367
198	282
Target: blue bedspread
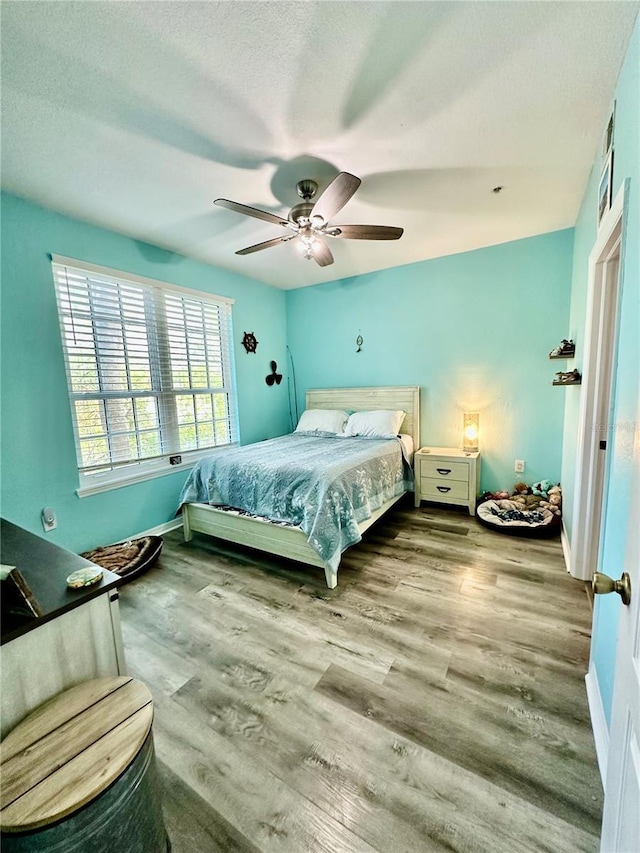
324	484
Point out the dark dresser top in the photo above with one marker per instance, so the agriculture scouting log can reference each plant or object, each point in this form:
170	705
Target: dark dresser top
45	567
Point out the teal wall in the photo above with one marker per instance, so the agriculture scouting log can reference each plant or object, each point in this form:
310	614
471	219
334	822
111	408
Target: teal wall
627	367
473	330
38	455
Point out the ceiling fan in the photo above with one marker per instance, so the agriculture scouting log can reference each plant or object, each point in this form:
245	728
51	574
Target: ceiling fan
308	221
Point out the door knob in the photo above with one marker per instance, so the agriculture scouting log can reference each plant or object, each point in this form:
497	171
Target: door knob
602	584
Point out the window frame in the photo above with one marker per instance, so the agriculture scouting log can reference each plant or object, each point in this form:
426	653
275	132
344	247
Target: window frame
126	473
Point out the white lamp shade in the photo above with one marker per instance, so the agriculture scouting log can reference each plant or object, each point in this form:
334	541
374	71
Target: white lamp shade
471	431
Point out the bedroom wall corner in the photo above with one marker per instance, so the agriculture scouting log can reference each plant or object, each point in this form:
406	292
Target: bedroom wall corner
37	453
472	330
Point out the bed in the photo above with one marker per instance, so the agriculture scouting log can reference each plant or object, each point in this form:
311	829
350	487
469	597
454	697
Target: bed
286	539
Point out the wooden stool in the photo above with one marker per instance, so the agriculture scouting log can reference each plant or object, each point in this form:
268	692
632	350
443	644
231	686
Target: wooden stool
79	774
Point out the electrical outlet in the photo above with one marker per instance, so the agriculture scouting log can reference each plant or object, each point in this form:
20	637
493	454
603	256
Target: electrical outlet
519	466
49	520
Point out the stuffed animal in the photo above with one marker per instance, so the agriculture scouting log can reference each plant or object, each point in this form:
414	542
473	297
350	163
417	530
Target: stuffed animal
533	501
553	501
507	504
526	503
502	495
542	488
521	489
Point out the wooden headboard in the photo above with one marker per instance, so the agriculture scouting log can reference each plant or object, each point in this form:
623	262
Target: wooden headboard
394	397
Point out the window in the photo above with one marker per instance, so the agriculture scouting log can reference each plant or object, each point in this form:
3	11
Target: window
149	370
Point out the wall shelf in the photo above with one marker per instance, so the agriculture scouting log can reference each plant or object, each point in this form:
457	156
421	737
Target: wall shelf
577	381
565	349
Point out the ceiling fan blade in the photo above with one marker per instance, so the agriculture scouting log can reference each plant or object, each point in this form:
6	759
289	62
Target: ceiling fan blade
252	211
258	247
321	253
336	195
365	232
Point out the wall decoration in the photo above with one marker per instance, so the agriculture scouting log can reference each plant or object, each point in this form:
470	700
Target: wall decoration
605	187
273	376
571	377
566	349
359	342
249	342
607	139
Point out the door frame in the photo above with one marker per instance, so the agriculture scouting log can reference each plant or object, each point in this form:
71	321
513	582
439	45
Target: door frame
602	300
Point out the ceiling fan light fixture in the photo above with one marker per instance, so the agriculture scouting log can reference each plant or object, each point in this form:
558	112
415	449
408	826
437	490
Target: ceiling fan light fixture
308	239
310	220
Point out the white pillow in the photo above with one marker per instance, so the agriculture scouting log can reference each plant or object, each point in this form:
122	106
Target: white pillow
381	424
327	420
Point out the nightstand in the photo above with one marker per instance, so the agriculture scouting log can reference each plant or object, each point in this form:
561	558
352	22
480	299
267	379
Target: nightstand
447	475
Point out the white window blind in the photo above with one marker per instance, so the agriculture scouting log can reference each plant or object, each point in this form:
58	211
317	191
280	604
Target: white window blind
149	367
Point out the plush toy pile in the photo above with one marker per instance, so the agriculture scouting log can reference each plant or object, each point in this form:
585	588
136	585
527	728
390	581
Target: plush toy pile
527	511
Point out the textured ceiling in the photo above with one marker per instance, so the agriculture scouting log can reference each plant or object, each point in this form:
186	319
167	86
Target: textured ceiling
135	116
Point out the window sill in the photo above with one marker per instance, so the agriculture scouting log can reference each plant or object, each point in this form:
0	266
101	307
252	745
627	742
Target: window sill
96	488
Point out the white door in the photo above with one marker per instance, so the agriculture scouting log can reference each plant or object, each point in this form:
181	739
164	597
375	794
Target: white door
621	820
594	424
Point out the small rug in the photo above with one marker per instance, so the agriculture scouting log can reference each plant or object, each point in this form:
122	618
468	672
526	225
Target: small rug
127	559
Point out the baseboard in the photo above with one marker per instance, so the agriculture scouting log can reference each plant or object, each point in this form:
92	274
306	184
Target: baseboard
566	547
598	721
159	529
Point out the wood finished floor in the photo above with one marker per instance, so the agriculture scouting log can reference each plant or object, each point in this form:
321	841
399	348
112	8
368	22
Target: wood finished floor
434	701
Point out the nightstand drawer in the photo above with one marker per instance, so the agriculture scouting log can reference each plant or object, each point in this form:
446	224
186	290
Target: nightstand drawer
443	469
444	489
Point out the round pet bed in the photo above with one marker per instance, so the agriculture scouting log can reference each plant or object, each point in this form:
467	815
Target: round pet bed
127	559
505	517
